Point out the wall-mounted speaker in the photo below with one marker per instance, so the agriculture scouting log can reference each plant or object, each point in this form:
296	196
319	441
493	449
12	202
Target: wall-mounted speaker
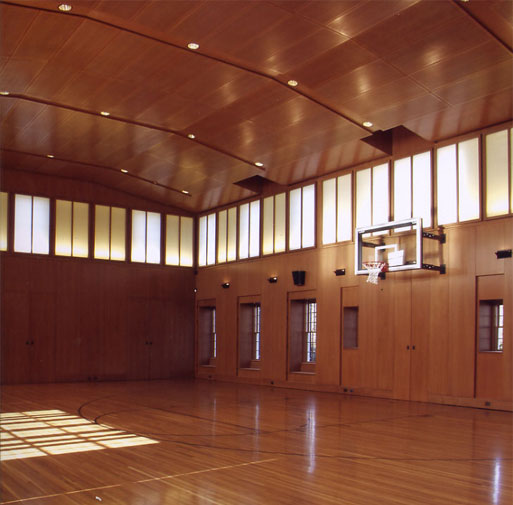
299	277
505	253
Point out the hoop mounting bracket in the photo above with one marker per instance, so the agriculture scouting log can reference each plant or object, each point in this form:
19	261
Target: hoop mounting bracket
441	268
440	237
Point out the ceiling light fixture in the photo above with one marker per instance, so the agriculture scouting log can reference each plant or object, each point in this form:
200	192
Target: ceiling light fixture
105	113
292	83
5	93
367	124
193	46
185	192
259	164
64	7
50	156
124	170
191	136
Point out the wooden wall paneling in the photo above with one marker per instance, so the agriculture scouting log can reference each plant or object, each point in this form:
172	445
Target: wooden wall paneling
492	236
351	358
160	345
137	314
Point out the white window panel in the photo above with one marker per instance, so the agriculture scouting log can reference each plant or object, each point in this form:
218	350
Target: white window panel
380	194
4	200
254	229
211	239
422	188
202	241
468	180
280	219
497	174
222	218
153	237
101	232
268	226
344	208
138	236
363	198
232	234
63	227
446	185
186	241
329	211
172	240
41	225
244	231
295	219
308	224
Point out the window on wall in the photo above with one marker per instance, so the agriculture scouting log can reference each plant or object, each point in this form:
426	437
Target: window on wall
109	233
207	335
491	325
71	229
207	240
145	236
249	334
337	209
372	196
350	327
458	182
499	173
179	240
310	341
4	201
249	230
412	188
31	224
302	335
227	235
302	217
274	224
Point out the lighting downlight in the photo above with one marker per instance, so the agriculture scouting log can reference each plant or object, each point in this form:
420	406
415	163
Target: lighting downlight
193	46
292	83
65	7
105	113
367	124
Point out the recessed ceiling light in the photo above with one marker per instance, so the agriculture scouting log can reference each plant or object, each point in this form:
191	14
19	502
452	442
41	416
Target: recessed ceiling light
5	93
50	156
185	192
64	7
124	170
259	164
193	46
292	83
105	113
367	124
191	136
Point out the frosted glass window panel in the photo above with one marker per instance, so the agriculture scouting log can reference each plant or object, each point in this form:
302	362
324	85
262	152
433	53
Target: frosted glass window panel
268	226
402	189
80	230
4	199
363	198
172	240
244	231
329	211
344	208
468	179
280	220
222	233
511	170
202	241
295	219
41	225
186	241
380	194
211	239
422	188
308	225
153	237
63	227
254	229
232	234
101	232
497	174
446	185
118	234
23	223
138	236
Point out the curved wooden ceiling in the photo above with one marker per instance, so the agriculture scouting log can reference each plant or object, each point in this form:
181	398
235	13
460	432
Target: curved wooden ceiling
437	67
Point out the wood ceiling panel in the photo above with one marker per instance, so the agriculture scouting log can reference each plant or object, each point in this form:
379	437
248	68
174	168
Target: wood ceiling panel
50	80
17	22
21	113
321	12
17	74
121	9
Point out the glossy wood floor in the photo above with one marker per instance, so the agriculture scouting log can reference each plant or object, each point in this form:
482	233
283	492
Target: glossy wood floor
197	442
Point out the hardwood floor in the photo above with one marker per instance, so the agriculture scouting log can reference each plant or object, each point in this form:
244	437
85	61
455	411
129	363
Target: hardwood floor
196	442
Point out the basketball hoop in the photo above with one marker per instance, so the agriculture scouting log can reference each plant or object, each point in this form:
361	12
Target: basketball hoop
374	268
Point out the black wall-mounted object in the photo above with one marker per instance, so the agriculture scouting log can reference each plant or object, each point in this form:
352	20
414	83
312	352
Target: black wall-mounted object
273	279
299	277
225	285
504	253
340	271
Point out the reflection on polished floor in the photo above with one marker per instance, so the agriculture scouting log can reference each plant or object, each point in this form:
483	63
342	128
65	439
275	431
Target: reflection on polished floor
196	442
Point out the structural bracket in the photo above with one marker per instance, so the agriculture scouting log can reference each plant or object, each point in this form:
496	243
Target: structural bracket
440	237
441	268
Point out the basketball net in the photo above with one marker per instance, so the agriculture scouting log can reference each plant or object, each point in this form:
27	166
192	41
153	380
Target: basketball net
374	268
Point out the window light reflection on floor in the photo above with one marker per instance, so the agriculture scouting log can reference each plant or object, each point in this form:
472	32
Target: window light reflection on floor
44	432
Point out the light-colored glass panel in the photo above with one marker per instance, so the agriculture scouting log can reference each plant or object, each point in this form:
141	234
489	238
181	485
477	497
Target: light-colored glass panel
446	184
139	236
363	198
329	211
172	240
511	170
295	219
202	241
244	231
186	241
101	232
80	229
117	234
23	223
468	179
41	225
254	229
211	239
152	237
422	188
63	228
268	225
497	174
308	231
4	199
380	199
402	189
221	239
344	208
232	234
280	220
